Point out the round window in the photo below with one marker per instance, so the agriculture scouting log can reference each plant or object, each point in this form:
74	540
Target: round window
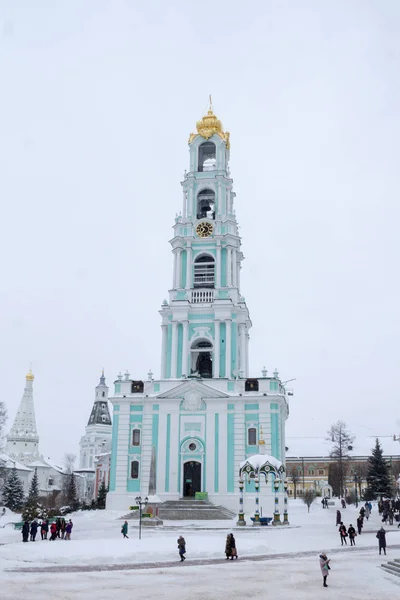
192	447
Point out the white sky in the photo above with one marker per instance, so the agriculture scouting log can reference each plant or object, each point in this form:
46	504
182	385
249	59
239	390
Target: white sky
97	101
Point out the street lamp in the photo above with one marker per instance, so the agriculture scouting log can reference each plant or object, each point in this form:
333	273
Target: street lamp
355	485
140	503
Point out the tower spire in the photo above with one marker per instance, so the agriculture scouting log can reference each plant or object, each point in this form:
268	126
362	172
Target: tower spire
23	439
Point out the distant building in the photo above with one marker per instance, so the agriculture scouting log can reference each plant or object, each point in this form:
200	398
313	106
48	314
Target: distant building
308	463
96	441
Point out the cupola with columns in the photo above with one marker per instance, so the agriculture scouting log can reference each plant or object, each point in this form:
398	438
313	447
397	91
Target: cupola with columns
205	323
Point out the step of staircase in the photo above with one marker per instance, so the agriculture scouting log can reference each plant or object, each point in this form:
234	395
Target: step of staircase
193	510
392	567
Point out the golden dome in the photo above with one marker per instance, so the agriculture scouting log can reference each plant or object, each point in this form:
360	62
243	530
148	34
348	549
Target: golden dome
30	376
209	125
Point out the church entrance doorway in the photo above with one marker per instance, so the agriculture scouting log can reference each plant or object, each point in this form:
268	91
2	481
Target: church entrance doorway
191	478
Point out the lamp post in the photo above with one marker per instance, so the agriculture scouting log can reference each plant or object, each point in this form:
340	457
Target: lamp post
256	521
241	520
140	503
285	503
355	485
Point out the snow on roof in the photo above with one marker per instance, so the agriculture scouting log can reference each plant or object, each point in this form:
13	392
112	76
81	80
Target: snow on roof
321	447
54	466
258	460
38	463
86	470
10	463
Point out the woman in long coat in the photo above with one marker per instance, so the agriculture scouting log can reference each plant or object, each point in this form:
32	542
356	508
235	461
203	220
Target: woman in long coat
324	566
230	547
338	517
25	531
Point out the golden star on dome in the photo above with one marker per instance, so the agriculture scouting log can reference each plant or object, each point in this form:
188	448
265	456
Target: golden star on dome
30	376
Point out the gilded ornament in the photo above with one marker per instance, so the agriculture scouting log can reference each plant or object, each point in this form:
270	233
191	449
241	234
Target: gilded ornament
209	125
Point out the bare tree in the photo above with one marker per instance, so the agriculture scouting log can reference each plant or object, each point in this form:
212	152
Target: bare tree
295	478
342	441
308	497
3	470
69	462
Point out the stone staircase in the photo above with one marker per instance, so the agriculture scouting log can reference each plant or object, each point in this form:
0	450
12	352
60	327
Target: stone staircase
193	510
392	567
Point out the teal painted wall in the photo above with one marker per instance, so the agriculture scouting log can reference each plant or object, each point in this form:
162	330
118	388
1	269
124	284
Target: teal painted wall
223	267
117	388
230	467
233	347
167	453
275	436
114	444
222	349
216	450
180	340
183	269
251	407
169	349
231	387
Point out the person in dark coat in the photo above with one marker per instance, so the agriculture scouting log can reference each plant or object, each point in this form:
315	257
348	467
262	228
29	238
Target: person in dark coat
25	531
230	547
343	503
360	524
352	535
34	528
343	533
338	517
181	547
44	528
381	535
124	530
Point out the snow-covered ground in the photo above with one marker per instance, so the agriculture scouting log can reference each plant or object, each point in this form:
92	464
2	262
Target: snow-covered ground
96	540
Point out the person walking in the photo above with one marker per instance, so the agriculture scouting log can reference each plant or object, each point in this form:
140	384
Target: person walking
53	532
324	566
124	530
367	511
360	524
181	547
352	535
338	517
34	528
381	535
343	533
25	531
230	547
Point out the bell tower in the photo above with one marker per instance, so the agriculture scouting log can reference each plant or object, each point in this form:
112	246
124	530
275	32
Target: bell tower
205	323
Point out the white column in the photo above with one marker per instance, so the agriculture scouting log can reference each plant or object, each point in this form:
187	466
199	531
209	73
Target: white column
174	348
174	271
229	267
247	355
184	204
164	340
218	268
243	363
188	267
216	349
178	268
234	263
185	340
190	202
228	358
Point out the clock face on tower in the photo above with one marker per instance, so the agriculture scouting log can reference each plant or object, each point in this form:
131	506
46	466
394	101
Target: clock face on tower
204	229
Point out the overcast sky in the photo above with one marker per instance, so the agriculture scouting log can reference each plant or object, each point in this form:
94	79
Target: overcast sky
96	105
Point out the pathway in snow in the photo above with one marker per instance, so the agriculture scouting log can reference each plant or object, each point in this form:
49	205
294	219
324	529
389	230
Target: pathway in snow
192	563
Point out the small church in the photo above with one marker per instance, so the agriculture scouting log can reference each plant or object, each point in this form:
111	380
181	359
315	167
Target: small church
192	429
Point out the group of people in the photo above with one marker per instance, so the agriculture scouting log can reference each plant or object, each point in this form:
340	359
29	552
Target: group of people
389	510
230	547
59	528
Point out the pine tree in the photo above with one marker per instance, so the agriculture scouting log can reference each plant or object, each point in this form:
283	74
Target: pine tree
13	492
71	493
102	495
378	476
32	507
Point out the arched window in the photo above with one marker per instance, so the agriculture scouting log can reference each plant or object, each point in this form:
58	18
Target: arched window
103	394
201	358
206	204
104	418
252	436
207	155
136	437
135	469
204	267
